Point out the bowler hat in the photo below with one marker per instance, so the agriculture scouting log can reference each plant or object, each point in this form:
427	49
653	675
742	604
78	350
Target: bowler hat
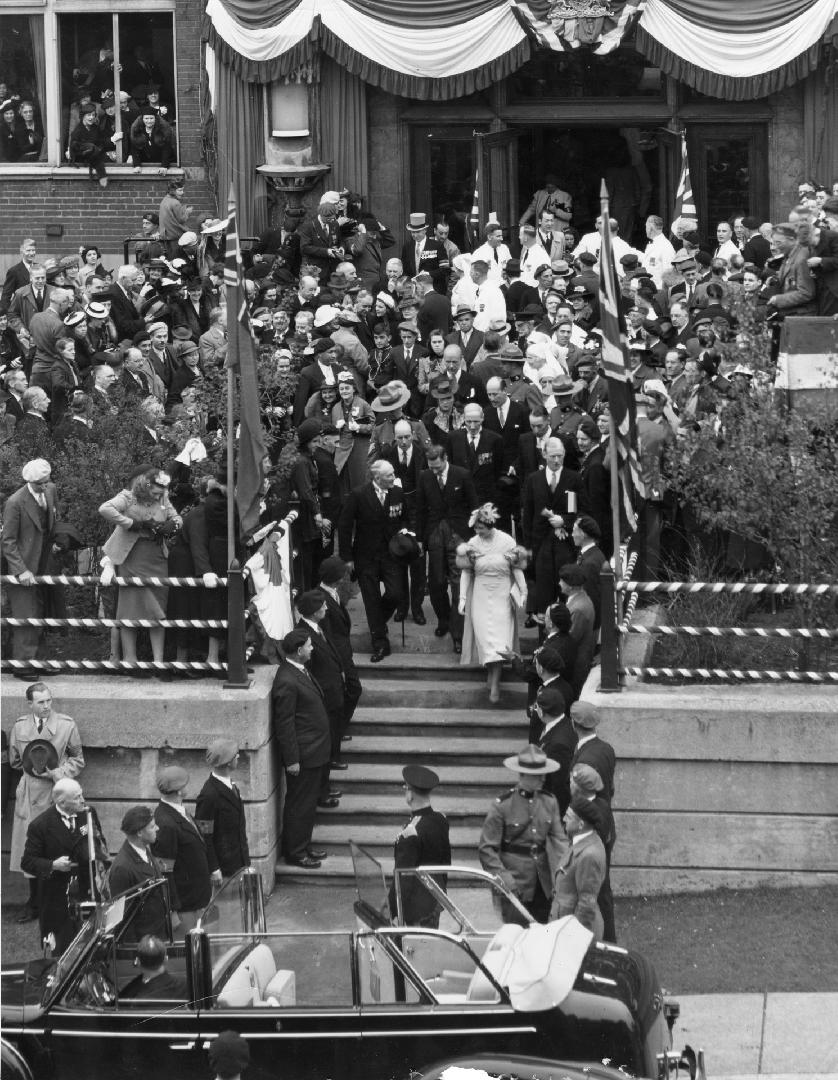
441	388
403	548
391	396
172	778
136	818
38	756
531	761
420	778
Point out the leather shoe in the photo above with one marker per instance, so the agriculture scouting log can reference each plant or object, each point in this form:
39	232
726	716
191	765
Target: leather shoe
29	914
346	738
334	793
380	653
419	618
328	804
306	862
317	853
458	647
441	630
338	765
399	616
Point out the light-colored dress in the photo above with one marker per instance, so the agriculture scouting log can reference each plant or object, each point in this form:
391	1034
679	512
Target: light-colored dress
490	589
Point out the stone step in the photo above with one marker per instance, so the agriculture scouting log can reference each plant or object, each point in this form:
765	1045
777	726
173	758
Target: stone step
333	833
431	749
384	723
436	666
391	811
454	693
386	779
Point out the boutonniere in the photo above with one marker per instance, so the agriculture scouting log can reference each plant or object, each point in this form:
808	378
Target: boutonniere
484	459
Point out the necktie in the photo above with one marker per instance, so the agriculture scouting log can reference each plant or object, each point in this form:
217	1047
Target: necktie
474	445
552	481
441	481
71	823
39	297
495	254
548	240
382	495
418	257
40	726
404	457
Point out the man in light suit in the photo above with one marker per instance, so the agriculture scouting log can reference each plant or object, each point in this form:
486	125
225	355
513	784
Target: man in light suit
28	530
445	499
30	299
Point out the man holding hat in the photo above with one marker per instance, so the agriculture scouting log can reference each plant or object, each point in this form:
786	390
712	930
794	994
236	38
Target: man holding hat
27	543
133	865
301	728
219	811
45	747
388	407
181	850
522	840
422	842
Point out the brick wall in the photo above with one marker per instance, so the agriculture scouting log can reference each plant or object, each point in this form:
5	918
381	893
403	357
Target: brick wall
90	214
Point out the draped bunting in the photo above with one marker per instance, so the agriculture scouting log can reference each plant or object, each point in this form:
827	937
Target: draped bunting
440	49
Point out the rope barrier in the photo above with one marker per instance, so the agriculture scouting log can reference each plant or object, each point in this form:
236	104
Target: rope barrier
629	565
628	615
137	624
92	579
727	631
112	665
725	587
735	674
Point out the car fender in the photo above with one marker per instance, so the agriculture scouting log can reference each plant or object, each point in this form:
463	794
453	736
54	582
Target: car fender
13	1065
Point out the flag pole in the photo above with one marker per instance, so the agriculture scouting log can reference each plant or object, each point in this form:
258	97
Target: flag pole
613	456
231	472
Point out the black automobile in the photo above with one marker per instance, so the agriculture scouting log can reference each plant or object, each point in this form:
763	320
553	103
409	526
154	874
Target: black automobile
378	1002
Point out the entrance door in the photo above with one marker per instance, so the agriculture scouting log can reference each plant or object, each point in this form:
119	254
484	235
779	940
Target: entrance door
498	178
729	170
443	160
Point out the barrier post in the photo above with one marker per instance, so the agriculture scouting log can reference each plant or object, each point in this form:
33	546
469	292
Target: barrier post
236	663
610	640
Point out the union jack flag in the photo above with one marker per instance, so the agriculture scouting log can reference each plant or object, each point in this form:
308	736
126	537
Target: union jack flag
684	199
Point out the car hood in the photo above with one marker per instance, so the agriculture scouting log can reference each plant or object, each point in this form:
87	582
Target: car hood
22	988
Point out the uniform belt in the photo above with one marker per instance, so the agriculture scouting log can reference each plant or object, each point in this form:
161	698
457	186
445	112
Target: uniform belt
523	849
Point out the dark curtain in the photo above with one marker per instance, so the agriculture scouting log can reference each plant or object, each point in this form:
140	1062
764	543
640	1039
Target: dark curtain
239	125
343	126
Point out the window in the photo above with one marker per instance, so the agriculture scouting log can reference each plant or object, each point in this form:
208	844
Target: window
58	65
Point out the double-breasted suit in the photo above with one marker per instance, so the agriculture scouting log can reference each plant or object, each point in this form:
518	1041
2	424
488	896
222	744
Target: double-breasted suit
550	552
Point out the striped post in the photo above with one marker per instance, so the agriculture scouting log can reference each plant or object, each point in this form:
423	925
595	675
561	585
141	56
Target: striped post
734	674
757	588
610	639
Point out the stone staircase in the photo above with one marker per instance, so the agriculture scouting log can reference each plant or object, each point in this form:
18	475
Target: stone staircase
421	706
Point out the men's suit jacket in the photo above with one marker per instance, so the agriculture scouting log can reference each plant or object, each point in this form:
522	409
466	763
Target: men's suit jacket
47	839
315	241
17	277
517	424
337	626
757	250
326	669
530	458
599	755
219	814
434	257
183	855
124	313
366	527
129	870
537	497
300	720
485	465
593	397
24	305
453	504
559	744
404	369
310	380
591	563
408	474
471	349
434	314
27	531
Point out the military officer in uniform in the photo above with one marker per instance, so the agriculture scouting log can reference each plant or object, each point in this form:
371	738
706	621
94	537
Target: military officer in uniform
522	840
422	842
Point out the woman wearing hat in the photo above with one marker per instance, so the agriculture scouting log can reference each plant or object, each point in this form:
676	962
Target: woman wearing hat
355	421
144	520
492	590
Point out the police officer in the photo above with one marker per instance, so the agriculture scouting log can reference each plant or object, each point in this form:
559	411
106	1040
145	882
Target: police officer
522	840
422	842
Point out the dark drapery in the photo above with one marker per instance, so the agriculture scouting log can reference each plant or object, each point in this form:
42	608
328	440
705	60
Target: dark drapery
343	126
239	116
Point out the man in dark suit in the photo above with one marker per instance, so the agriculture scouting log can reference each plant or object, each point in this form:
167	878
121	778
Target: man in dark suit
757	249
465	336
532	444
435	308
124	314
280	246
481	452
219	811
558	741
28	531
405	361
510	420
319	240
311	378
586	535
135	865
18	275
327	670
301	728
596	752
56	852
408	461
181	850
422	842
372	515
155	982
445	499
420	253
549	505
337	626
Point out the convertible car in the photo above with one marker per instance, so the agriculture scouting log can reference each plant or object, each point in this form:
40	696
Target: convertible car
376	1002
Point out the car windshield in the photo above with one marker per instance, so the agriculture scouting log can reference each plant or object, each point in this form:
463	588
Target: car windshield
237	907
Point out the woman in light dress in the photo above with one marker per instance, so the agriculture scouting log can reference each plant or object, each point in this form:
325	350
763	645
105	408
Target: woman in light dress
492	591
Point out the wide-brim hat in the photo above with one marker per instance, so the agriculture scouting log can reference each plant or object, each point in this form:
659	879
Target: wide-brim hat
511	354
403	548
499	326
38	756
464	309
561	268
391	396
563	386
441	388
530	312
531	761
325	314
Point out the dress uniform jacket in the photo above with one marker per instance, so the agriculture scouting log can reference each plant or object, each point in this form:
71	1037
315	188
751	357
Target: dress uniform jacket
128	870
578	882
423	842
523	841
485	465
219	815
183	856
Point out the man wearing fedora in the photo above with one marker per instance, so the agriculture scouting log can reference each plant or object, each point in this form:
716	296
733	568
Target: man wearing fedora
372	515
181	850
445	417
44	747
422	842
420	252
133	865
388	406
219	811
522	839
465	336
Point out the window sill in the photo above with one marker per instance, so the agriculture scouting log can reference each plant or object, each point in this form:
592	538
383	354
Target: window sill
80	172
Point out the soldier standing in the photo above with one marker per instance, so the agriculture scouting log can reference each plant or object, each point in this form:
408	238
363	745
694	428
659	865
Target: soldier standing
422	842
522	840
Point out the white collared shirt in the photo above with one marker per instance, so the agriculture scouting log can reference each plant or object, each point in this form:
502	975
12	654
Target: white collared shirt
224	780
556	720
297	665
39	497
586	738
329	591
582	836
142	852
315	628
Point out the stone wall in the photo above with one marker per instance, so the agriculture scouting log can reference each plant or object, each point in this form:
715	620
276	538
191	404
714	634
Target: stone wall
786	153
388	186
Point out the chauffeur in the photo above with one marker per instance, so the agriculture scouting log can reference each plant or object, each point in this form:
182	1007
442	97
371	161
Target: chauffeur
522	839
422	842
